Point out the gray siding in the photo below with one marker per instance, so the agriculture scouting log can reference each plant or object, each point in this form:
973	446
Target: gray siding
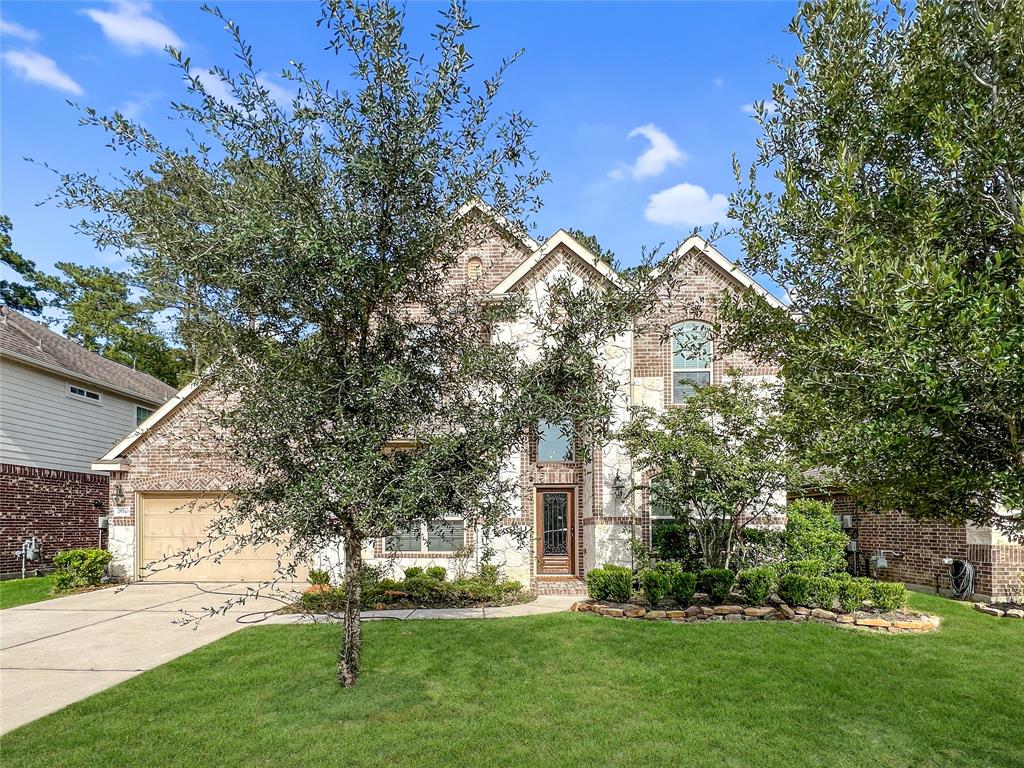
40	426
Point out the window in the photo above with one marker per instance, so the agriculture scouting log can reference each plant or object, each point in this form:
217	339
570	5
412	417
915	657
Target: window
83	393
474	269
691	358
438	536
141	414
554	443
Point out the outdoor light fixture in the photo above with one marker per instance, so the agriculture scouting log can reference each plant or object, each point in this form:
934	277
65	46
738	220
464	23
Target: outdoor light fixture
619	486
118	495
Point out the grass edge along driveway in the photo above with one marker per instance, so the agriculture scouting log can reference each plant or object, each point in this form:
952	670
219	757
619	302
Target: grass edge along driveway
566	690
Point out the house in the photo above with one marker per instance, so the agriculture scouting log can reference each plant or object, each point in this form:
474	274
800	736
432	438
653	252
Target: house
61	406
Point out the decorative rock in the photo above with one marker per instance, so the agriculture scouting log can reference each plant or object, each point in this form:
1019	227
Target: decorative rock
867	622
916	626
786	611
845	618
709	612
615	612
635	613
675	614
1015	613
801	611
693	610
733	617
821	613
992	611
723	610
979	606
652	615
759	613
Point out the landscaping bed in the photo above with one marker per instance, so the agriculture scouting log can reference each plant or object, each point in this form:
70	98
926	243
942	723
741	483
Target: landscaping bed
420	588
1001	610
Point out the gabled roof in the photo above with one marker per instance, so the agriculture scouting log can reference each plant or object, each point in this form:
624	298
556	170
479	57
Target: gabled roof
716	258
36	345
514	230
560	238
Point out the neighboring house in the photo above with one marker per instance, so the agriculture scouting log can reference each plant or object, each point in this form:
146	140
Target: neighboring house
61	407
577	512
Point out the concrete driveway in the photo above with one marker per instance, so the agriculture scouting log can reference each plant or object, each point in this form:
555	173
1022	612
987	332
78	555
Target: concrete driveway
58	651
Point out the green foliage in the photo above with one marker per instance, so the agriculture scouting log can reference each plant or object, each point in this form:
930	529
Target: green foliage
436	572
413	571
323	598
77	568
888	595
717	583
853	592
683	587
591	243
811	567
674	542
813	533
823	592
20	296
757	584
898	232
759	547
319	577
795	588
610	582
490	573
656	583
719	460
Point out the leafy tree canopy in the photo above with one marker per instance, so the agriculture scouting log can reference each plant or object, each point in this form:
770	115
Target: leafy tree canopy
897	142
590	241
20	296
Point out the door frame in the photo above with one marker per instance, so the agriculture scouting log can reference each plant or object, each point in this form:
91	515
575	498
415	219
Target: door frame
538	497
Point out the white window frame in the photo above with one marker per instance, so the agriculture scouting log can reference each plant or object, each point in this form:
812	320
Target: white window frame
709	368
83	394
424	541
149	412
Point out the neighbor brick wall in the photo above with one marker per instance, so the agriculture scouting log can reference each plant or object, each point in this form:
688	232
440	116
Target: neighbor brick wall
59	507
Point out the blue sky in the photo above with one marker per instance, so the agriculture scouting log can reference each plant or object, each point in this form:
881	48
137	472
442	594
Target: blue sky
639	107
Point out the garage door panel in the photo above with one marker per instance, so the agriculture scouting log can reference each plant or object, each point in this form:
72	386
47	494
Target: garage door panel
173	523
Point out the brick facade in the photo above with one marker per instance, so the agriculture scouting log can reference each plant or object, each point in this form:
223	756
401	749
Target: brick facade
59	507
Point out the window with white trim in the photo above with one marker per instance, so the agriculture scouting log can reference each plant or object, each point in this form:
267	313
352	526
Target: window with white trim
426	538
141	414
691	358
82	393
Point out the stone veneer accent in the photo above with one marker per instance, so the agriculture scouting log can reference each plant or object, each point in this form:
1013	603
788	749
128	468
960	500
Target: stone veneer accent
57	506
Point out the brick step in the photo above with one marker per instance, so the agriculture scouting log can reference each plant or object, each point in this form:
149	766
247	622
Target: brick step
568	586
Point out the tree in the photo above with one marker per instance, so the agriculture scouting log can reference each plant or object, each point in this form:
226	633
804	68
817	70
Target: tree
590	242
361	394
897	230
20	296
718	462
103	316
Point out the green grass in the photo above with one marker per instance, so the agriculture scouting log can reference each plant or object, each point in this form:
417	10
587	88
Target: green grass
564	690
14	592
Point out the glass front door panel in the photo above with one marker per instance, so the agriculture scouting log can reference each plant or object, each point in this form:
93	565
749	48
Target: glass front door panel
556	523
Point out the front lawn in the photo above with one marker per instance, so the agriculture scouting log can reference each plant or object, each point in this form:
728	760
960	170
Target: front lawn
14	592
564	690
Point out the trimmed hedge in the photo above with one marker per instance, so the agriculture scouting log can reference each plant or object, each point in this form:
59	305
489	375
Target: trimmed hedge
717	583
77	568
757	584
610	582
888	595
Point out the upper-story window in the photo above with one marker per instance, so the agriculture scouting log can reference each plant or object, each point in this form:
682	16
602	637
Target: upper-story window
141	414
81	393
691	358
474	269
554	443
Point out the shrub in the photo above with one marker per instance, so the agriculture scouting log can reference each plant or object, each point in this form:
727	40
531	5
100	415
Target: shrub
319	577
852	592
717	583
809	567
79	568
795	588
413	572
758	548
673	542
655	584
813	533
888	595
436	572
323	598
610	582
756	584
682	587
490	573
824	590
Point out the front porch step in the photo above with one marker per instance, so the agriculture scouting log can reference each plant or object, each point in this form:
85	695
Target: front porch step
559	586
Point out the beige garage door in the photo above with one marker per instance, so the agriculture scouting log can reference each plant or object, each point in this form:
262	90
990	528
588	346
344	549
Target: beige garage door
172	523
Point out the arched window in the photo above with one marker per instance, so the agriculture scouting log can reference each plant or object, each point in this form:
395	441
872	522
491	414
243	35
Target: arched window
474	268
691	358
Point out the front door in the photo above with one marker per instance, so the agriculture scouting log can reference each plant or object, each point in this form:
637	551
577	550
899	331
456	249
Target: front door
555	541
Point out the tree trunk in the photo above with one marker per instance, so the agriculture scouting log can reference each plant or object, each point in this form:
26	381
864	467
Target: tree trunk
352	631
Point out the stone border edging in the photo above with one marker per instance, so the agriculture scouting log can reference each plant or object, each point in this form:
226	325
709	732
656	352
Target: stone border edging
919	623
991	610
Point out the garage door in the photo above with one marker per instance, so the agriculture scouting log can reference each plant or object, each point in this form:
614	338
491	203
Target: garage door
172	523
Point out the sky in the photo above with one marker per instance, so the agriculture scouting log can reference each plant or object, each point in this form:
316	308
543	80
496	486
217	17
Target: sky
639	107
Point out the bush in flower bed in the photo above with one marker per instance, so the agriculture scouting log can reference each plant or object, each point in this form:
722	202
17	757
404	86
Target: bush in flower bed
717	583
757	584
78	568
421	588
610	582
853	592
888	595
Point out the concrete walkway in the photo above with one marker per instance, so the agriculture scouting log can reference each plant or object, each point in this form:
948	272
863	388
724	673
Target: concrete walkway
59	651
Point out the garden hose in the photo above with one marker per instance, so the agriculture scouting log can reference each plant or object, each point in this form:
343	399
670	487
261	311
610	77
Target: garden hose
961	579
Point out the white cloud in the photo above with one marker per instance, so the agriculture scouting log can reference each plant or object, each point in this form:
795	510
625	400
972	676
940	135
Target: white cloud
770	107
686	205
718	82
127	25
214	85
133	107
662	153
16	30
36	68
